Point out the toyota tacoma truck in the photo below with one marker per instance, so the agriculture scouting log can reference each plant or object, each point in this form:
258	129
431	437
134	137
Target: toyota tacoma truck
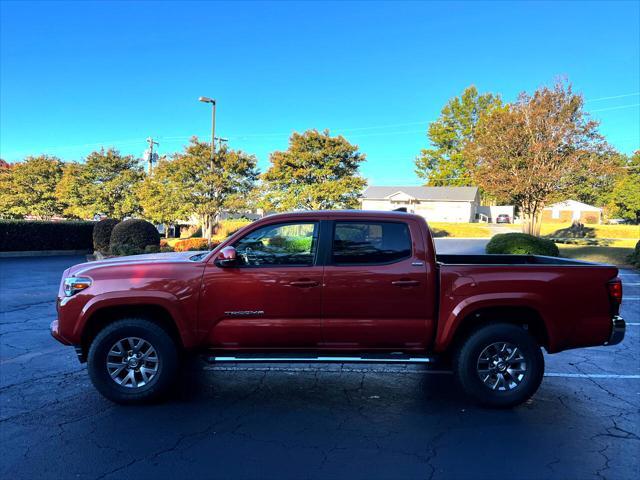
335	286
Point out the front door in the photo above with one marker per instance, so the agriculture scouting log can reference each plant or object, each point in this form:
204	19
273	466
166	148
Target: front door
376	295
271	299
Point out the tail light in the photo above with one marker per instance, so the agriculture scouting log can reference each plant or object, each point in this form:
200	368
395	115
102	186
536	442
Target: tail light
615	293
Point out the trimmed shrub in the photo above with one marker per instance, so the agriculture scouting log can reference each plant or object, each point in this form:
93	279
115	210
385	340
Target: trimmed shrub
102	234
132	237
634	258
521	244
25	235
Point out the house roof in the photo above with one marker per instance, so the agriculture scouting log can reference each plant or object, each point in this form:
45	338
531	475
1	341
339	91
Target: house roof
573	205
451	194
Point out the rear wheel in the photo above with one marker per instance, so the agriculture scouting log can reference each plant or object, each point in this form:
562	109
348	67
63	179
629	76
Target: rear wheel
133	361
500	365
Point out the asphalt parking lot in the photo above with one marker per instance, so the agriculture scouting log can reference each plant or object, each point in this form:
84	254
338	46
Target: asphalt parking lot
305	421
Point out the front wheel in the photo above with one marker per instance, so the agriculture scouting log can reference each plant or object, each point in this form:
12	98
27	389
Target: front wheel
132	361
500	365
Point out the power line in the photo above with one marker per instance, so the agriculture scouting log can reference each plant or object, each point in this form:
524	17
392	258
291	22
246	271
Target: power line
616	108
635	94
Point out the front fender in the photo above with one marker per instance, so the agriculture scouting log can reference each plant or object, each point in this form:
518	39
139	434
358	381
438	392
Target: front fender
165	300
457	309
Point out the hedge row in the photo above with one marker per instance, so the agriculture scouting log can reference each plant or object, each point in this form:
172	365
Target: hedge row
24	235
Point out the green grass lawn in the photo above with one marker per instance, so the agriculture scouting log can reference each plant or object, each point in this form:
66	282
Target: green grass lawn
613	255
460	230
600	231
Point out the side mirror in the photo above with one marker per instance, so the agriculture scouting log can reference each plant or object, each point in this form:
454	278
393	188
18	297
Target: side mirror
227	257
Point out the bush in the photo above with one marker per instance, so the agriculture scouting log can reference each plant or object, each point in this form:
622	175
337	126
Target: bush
132	237
102	234
24	235
228	227
194	245
634	258
521	244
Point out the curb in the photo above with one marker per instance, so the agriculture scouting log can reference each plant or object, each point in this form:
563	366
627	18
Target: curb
42	253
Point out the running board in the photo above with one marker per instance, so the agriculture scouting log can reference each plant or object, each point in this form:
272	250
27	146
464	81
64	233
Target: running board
373	358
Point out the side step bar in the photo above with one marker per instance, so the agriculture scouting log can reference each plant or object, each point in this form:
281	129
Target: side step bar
247	358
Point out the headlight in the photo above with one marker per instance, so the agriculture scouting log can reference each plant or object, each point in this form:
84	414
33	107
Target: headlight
73	285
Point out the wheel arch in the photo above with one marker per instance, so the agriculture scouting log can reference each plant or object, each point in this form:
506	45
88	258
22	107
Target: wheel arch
104	316
475	316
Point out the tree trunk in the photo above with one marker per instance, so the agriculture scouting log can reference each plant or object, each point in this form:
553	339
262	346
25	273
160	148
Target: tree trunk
166	230
209	221
531	222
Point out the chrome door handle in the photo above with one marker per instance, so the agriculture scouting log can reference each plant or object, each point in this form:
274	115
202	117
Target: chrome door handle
304	283
405	283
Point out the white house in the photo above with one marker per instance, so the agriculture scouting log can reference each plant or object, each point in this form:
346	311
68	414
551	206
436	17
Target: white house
436	204
571	211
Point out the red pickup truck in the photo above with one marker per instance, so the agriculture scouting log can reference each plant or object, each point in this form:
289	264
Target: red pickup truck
335	286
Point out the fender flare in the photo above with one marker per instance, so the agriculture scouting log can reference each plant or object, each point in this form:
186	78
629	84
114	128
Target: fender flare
164	300
449	325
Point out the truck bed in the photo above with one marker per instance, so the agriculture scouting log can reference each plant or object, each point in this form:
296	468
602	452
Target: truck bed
509	260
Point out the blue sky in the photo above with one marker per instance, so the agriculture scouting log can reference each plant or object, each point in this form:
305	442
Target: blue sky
76	76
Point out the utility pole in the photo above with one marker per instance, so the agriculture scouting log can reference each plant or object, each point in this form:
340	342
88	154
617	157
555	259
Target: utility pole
221	141
151	143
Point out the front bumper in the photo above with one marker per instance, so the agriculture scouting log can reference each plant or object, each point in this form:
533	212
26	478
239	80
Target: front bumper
55	333
618	327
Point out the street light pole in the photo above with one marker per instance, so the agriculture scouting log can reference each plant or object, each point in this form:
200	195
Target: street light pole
213	125
213	154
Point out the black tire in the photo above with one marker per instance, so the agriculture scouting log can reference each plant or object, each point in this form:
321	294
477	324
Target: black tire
162	377
466	366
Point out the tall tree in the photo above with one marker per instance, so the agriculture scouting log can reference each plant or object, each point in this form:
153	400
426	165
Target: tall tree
160	195
624	200
207	191
104	184
317	171
533	149
28	188
444	163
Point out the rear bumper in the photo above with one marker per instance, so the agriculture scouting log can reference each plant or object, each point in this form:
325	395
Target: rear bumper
618	327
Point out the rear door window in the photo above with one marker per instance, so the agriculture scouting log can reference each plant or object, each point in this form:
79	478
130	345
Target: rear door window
370	243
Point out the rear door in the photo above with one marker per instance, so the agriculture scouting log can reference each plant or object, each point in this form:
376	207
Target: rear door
376	294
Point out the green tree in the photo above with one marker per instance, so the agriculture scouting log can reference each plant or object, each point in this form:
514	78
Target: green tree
444	163
207	188
533	150
104	184
595	189
28	188
317	171
625	198
160	195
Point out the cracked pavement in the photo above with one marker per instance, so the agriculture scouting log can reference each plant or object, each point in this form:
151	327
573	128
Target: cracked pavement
304	421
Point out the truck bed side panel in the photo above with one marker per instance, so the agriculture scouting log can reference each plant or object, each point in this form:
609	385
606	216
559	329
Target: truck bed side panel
572	301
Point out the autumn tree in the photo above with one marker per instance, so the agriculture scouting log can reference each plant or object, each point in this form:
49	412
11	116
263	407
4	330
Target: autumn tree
532	149
207	188
104	184
317	171
444	163
160	195
28	188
